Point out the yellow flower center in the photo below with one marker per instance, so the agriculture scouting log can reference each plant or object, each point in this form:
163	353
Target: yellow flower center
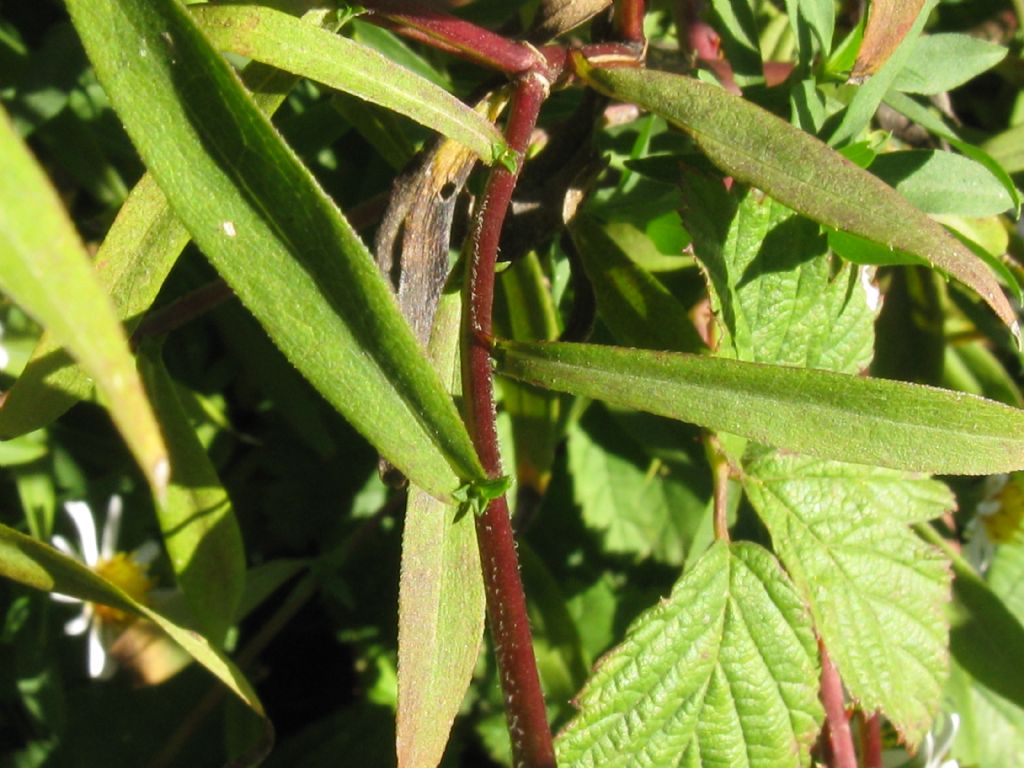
130	577
1004	523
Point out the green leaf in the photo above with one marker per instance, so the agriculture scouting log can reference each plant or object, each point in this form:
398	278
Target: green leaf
197	520
824	414
775	291
276	238
724	672
139	250
637	308
440	628
893	27
942	62
441	602
942	182
799	171
817	16
45	269
284	42
877	591
639	506
39	566
1008	148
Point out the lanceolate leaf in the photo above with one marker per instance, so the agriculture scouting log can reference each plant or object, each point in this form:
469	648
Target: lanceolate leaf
798	170
441	601
877	592
40	566
283	41
724	672
824	414
942	62
139	250
273	234
197	520
889	22
45	269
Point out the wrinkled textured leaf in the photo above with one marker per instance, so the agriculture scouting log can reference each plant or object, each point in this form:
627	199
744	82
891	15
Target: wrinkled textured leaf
45	269
639	506
877	592
277	239
774	288
724	672
798	170
889	23
824	414
284	42
441	600
942	62
40	566
197	520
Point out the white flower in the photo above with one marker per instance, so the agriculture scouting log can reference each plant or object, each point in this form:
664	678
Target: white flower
872	295
103	623
997	519
935	747
5	356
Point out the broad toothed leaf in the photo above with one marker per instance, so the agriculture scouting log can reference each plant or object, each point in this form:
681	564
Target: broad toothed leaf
877	592
726	668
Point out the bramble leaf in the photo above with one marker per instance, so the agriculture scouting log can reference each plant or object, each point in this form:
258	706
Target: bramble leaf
725	671
877	592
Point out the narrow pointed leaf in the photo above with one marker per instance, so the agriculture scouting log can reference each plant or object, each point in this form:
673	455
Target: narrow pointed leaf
277	239
889	22
942	62
877	592
284	42
37	565
824	414
441	603
45	269
798	170
724	672
198	522
135	257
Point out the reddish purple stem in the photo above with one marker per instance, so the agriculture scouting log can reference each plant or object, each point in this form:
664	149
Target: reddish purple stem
506	601
840	738
629	16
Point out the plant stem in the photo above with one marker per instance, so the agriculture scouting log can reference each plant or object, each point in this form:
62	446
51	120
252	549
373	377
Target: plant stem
871	741
629	17
840	738
462	37
506	602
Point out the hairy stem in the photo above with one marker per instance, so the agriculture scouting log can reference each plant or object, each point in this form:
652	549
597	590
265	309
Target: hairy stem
506	602
629	17
871	741
840	738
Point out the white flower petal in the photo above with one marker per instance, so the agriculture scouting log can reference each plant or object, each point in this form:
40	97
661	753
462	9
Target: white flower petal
57	597
64	546
98	663
111	528
146	553
79	624
81	515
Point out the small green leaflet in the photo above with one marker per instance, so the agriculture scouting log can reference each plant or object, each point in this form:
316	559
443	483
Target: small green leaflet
877	592
776	292
723	672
